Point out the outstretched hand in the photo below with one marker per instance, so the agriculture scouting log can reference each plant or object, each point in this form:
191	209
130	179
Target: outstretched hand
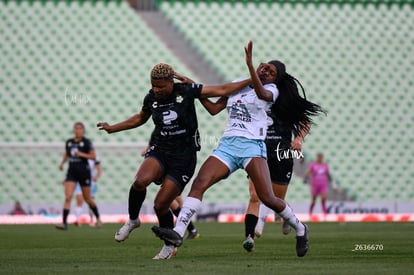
104	126
249	53
183	79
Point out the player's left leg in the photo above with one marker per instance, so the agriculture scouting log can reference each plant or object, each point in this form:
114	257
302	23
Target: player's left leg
324	197
258	171
166	195
251	218
280	191
86	191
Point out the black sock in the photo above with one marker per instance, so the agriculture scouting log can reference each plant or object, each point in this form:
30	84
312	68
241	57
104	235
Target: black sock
166	221
250	222
95	211
190	226
65	216
135	200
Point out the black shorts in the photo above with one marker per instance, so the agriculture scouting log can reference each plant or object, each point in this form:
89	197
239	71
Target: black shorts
177	166
79	173
280	170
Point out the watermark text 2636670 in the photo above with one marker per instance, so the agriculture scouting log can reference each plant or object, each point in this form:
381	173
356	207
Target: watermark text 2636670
368	247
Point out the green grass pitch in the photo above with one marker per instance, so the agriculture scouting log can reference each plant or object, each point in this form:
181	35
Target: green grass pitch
41	249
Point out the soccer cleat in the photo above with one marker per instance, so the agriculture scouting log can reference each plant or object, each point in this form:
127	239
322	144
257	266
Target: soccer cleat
193	235
61	226
302	243
98	223
168	235
166	253
286	228
123	233
257	234
248	244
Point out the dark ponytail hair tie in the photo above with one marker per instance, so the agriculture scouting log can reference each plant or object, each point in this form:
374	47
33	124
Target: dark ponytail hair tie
280	70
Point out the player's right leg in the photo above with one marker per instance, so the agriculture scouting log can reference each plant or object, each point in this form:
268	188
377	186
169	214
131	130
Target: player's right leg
176	208
149	171
251	219
210	172
69	189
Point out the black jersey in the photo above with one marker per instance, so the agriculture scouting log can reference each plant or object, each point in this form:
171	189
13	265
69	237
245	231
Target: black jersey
175	118
84	146
279	136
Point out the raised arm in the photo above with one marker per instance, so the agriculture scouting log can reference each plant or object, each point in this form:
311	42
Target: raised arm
214	107
130	123
217	90
261	92
225	89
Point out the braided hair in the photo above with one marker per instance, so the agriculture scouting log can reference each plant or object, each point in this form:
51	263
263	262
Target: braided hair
290	107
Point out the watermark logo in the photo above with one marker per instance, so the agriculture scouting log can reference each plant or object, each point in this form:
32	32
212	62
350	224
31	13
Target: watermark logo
288	153
76	98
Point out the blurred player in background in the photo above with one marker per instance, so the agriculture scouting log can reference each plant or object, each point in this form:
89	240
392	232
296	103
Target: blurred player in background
242	146
78	150
320	177
174	142
96	172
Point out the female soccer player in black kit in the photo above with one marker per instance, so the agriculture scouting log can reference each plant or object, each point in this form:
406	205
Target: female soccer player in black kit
78	150
290	116
173	145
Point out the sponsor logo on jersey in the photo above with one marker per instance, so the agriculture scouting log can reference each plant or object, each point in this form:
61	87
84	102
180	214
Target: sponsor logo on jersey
185	178
238	125
179	99
155	105
169	116
288	175
239	111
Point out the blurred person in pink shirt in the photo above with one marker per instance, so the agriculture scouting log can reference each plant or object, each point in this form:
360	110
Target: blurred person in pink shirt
320	177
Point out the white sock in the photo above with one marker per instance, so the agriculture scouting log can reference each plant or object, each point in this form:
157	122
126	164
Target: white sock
263	212
190	207
78	213
292	220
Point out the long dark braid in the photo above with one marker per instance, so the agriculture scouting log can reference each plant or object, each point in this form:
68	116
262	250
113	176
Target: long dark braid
290	107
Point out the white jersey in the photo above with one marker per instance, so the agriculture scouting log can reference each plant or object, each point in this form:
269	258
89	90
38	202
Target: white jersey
248	114
92	163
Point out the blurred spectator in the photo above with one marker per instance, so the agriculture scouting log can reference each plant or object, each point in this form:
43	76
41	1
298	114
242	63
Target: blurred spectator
18	210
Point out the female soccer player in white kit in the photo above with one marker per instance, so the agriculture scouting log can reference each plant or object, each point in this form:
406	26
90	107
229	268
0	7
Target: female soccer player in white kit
242	146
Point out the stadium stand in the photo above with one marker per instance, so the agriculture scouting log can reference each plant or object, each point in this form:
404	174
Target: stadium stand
64	61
